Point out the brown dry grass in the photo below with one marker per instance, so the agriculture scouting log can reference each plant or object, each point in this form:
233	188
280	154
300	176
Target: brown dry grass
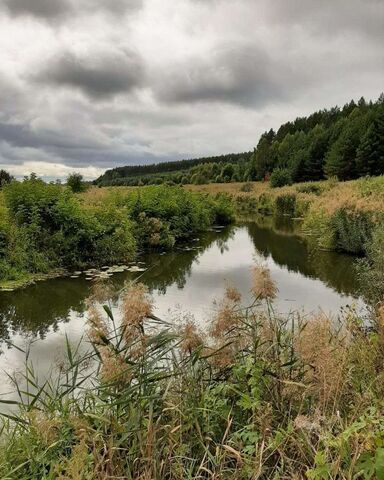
333	195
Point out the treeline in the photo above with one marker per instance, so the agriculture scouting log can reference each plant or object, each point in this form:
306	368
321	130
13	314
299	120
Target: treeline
345	142
220	168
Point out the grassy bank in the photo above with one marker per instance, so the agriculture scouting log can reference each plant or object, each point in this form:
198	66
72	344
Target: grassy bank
46	228
251	397
336	215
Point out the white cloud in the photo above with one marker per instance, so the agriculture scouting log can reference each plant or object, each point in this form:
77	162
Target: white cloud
50	171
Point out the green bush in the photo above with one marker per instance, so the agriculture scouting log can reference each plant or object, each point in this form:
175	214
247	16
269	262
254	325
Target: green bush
184	212
352	230
53	229
265	204
371	269
280	178
285	204
75	182
46	226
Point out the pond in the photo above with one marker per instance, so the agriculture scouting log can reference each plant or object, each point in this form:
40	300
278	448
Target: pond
186	280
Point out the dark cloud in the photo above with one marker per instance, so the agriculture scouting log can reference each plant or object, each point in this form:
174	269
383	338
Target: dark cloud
60	9
100	76
199	62
241	75
335	17
45	9
69	146
117	7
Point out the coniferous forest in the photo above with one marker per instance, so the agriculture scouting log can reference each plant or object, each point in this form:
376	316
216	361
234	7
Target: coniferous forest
346	143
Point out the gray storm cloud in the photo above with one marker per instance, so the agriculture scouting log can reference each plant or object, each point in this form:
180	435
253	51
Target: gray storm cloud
243	75
103	83
46	9
99	75
58	9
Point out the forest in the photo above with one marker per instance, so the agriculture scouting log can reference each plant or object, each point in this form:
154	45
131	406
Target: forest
346	143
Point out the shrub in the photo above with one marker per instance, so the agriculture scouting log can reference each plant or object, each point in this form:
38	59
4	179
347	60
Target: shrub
352	230
222	209
371	269
245	204
265	204
281	177
246	187
5	178
52	228
318	226
285	204
75	182
182	211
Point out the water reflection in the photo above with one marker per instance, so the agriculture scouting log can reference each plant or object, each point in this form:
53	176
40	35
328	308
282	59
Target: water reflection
277	237
192	276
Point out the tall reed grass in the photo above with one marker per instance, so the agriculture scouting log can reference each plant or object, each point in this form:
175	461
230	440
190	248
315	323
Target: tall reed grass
254	395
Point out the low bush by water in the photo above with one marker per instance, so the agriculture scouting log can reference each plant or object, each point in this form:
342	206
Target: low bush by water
45	226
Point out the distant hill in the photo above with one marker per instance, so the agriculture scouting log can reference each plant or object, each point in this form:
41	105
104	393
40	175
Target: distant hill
345	142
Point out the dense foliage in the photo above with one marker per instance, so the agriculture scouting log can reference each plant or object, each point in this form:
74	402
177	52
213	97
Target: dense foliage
45	226
346	143
224	168
75	182
252	396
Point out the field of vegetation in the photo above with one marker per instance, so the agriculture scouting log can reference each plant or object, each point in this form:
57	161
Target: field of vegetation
250	397
45	228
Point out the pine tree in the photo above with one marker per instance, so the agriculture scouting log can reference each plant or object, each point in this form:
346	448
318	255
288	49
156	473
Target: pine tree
262	159
370	154
341	157
318	145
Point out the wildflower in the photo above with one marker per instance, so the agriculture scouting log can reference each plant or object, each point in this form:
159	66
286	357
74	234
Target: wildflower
263	286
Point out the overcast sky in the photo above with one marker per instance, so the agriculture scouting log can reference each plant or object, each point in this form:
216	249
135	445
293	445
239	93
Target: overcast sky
87	85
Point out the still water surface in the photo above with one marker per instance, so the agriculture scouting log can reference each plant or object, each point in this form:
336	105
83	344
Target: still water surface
186	280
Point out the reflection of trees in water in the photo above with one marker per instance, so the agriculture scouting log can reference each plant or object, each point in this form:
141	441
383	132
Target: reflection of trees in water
175	267
276	238
41	308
